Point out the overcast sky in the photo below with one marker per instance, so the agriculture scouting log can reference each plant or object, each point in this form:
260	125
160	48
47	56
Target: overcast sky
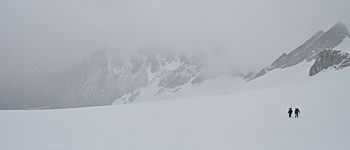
61	32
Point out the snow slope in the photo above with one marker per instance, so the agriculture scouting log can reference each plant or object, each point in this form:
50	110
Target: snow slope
281	77
254	119
215	86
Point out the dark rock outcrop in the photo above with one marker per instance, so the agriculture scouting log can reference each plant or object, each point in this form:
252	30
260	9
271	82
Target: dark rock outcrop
330	58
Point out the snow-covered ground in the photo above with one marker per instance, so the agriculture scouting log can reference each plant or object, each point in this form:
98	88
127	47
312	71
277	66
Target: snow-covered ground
281	77
249	119
215	86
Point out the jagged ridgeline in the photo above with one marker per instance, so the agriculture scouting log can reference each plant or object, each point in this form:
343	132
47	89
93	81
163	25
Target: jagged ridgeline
117	77
308	51
107	76
114	77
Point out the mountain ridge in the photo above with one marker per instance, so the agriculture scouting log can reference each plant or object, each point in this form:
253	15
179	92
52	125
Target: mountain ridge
308	50
118	77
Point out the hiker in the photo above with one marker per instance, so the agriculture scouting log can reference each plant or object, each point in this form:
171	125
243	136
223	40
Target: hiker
297	112
290	111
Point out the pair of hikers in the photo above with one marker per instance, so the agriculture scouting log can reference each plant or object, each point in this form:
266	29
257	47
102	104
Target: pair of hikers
296	112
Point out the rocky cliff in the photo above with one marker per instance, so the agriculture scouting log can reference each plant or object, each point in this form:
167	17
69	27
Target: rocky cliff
330	58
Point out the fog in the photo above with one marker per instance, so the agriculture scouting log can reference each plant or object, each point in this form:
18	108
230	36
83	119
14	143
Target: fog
42	35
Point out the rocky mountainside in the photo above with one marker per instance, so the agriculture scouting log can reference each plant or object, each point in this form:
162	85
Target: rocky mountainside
117	78
120	77
330	58
114	77
308	51
108	78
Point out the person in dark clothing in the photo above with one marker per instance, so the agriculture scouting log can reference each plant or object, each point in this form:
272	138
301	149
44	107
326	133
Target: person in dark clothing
290	112
296	112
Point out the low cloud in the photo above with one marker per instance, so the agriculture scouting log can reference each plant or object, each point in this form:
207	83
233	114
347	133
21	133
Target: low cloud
42	34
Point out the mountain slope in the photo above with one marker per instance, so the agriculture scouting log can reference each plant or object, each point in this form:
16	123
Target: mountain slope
330	58
244	120
309	50
230	114
108	76
118	77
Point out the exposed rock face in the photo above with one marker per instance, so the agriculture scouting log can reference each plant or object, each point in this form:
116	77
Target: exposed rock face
305	51
330	58
106	77
308	51
182	75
